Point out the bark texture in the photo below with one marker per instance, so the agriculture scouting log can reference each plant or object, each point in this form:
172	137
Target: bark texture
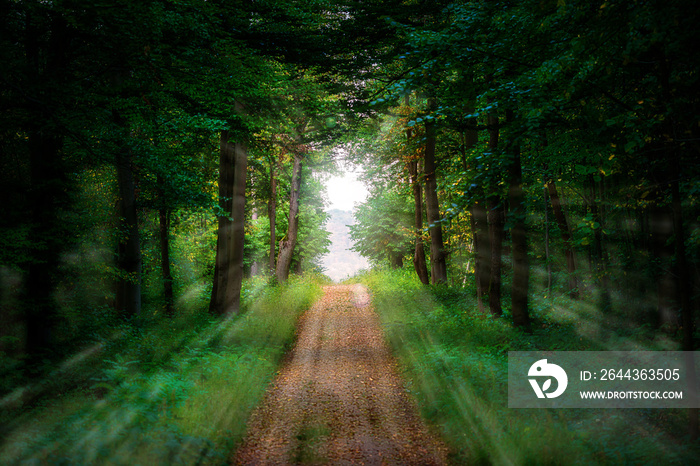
496	221
287	245
46	62
521	263
272	216
600	258
419	262
39	305
128	293
164	230
482	249
256	266
684	289
563	224
228	272
438	263
661	226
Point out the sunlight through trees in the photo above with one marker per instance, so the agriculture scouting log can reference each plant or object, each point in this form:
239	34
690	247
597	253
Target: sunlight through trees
531	166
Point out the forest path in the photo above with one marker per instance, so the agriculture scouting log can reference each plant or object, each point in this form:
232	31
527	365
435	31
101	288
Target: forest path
339	398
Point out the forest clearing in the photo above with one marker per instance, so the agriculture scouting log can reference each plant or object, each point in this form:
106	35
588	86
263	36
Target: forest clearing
530	179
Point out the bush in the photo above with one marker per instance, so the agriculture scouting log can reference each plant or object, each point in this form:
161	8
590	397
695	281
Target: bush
168	392
455	363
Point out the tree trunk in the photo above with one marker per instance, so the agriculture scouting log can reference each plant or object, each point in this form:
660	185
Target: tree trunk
479	218
297	267
287	245
228	272
563	225
438	263
661	226
396	260
40	308
46	65
129	261
470	135
164	220
682	272
272	216
128	297
482	249
419	262
496	223
521	264
599	250
682	276
547	254
256	266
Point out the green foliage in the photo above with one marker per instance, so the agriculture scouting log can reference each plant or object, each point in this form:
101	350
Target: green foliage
455	363
156	81
383	227
313	238
601	97
175	391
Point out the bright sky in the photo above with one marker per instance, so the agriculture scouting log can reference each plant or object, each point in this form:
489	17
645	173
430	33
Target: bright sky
345	191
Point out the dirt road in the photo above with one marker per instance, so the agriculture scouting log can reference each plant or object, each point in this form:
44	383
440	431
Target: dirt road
339	398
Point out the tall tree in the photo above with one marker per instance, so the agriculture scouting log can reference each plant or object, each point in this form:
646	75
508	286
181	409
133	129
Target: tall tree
521	264
166	273
128	292
563	224
496	223
272	216
419	262
228	272
44	66
482	251
289	242
438	257
44	196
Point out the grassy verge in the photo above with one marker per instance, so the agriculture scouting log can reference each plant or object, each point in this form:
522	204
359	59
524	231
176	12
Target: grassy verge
175	392
455	362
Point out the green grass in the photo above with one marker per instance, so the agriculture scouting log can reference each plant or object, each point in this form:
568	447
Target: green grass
167	392
455	363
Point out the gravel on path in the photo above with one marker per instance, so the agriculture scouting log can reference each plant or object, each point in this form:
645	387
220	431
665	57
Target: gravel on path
339	399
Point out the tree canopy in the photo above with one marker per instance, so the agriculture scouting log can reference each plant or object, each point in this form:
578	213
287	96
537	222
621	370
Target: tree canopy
515	149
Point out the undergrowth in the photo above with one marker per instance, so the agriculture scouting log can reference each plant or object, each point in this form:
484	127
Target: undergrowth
162	392
455	363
